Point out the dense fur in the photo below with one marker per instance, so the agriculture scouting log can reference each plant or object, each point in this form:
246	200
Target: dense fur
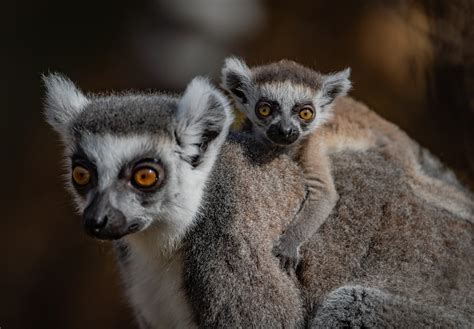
228	253
357	128
385	257
286	88
63	102
412	258
387	254
362	307
110	135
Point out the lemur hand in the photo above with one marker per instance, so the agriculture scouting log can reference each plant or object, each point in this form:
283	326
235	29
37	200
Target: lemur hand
287	250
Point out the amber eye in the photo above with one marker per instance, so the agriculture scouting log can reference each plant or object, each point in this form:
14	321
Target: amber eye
148	176
145	177
306	114
81	176
264	110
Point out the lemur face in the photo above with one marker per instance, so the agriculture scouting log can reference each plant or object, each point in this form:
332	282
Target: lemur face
138	161
282	112
284	101
122	184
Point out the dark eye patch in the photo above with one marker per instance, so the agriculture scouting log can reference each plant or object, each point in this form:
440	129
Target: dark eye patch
80	155
274	105
298	106
79	158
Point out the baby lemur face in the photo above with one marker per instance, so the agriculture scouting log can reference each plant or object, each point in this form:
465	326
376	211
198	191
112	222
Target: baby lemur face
139	160
284	101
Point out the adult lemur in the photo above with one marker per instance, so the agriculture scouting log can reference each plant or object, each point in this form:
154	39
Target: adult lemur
195	229
138	163
290	109
139	167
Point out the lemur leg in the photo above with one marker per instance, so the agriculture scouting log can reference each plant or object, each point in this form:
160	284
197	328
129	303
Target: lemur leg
321	199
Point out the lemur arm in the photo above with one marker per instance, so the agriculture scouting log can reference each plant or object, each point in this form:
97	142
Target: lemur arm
321	199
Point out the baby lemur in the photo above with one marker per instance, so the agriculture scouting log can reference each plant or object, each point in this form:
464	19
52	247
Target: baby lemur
285	103
299	111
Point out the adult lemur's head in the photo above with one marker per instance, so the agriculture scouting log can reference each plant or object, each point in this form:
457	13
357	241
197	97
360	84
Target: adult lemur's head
138	161
284	101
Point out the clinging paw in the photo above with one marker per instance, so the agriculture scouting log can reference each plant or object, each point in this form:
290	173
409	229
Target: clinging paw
287	250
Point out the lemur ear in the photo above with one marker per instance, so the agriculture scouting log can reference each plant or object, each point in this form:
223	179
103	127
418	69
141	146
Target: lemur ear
237	78
335	85
63	101
204	118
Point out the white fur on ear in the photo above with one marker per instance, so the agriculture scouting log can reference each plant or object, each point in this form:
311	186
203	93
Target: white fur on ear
235	65
236	77
335	85
204	118
63	101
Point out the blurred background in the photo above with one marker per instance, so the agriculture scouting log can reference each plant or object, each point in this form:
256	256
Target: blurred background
412	62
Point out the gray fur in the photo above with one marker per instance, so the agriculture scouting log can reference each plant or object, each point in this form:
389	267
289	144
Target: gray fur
383	244
361	307
64	101
180	138
185	127
286	70
286	87
385	257
126	114
247	85
230	279
383	236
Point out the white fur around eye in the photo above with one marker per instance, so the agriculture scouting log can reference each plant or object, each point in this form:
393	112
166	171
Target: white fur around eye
113	142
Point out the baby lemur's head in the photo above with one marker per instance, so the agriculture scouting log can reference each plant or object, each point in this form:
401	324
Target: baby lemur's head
138	161
284	101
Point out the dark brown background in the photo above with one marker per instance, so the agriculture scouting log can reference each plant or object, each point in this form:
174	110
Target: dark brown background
412	62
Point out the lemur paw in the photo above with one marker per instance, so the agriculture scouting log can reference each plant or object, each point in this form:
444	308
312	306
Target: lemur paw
287	250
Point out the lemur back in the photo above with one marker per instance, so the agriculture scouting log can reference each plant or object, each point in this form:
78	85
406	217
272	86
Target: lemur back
304	113
354	127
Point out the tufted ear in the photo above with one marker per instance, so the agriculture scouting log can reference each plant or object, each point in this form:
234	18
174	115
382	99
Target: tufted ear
64	101
204	118
237	79
335	85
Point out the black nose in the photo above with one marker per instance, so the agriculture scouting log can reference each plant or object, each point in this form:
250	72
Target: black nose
102	221
95	224
287	131
282	135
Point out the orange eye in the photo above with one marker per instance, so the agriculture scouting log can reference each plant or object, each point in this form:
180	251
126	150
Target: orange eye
145	177
81	176
306	114
264	111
